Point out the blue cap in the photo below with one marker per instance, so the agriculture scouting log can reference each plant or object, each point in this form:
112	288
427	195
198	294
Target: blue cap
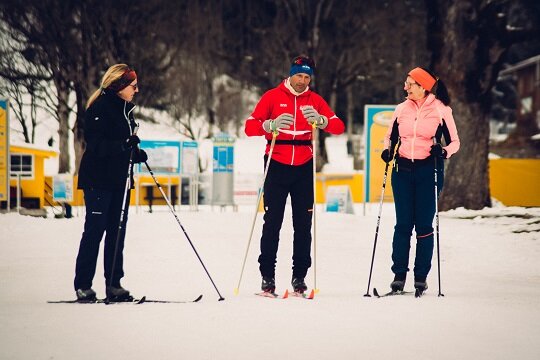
296	68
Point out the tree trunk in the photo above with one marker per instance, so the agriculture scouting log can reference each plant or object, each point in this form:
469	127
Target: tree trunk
62	114
466	181
465	38
78	131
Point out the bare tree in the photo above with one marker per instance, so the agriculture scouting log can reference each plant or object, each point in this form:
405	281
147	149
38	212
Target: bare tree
74	42
469	40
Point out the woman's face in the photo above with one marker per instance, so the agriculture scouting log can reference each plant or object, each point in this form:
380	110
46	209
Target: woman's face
413	89
129	91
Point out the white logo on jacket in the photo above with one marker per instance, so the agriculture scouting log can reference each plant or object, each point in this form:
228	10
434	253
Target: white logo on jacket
282	105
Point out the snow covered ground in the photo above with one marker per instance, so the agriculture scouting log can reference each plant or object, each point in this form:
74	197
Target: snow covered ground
490	276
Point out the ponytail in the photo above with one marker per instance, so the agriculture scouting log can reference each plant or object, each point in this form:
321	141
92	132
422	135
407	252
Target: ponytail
93	97
442	93
439	89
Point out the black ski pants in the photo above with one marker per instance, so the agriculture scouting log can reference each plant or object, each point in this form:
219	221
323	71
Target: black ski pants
103	210
282	180
413	186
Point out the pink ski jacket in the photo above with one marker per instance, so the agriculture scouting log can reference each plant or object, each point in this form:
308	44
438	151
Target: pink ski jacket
281	100
417	125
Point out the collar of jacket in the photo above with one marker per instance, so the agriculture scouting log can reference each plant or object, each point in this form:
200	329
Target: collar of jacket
116	100
429	100
286	86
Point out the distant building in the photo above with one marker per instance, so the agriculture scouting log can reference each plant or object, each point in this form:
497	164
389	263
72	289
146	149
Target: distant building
527	73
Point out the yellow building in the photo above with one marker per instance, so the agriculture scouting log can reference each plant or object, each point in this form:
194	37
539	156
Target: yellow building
27	170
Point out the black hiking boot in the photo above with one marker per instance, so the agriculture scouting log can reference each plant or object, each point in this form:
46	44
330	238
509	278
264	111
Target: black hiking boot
86	295
298	285
117	293
268	284
399	282
420	285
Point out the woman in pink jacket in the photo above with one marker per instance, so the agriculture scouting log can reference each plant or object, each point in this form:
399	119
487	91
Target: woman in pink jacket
418	126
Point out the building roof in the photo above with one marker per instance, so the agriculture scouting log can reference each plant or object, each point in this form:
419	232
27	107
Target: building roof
32	149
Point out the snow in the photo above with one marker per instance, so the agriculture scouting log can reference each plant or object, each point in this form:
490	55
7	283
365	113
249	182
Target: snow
489	271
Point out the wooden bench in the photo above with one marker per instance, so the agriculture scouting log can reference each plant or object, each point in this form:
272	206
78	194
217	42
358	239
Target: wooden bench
151	197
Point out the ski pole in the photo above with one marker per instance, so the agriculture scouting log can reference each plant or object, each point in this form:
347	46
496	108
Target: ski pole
437	221
183	229
314	137
259	197
125	204
377	229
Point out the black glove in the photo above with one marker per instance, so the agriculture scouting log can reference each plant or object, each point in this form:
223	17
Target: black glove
140	156
132	141
387	156
438	151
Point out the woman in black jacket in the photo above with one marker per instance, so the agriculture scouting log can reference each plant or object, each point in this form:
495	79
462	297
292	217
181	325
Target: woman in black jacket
111	150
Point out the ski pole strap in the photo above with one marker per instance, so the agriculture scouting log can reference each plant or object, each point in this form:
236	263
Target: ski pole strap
291	142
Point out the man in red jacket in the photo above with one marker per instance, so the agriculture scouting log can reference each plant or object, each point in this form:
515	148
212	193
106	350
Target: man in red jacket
290	110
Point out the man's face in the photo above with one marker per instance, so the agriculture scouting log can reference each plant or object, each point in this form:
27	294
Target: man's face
300	82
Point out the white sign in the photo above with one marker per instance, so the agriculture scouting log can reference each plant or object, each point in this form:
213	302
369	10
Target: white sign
339	199
63	188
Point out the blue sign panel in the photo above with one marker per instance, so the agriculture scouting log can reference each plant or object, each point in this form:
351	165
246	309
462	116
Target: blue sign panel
223	158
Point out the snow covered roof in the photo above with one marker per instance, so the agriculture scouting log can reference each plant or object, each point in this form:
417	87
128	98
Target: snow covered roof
47	151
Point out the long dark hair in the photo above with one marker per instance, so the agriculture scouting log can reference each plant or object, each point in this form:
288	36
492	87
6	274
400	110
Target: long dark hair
439	89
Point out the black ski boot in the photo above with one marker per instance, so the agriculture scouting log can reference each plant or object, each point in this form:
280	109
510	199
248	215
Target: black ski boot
421	286
118	293
399	282
298	285
86	295
268	284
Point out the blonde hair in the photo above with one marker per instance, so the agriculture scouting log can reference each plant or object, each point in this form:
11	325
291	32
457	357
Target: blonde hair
112	74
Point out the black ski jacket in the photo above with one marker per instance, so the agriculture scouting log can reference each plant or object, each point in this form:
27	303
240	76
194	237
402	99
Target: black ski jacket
109	122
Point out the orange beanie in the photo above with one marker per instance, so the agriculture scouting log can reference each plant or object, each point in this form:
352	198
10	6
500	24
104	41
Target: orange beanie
422	77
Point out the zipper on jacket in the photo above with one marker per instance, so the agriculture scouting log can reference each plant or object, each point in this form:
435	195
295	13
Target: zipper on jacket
414	128
126	116
294	127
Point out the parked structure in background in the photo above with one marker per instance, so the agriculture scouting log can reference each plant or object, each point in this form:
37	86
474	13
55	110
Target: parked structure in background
527	130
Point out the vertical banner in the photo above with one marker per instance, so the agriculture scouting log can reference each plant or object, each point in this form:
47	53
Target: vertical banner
377	118
223	174
4	150
190	158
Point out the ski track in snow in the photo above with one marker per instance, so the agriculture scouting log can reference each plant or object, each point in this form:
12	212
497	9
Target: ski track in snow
490	276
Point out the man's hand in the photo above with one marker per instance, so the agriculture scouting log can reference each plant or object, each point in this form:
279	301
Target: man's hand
314	118
281	122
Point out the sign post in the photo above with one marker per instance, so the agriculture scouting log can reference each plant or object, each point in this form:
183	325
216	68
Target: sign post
223	174
190	170
377	118
4	152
